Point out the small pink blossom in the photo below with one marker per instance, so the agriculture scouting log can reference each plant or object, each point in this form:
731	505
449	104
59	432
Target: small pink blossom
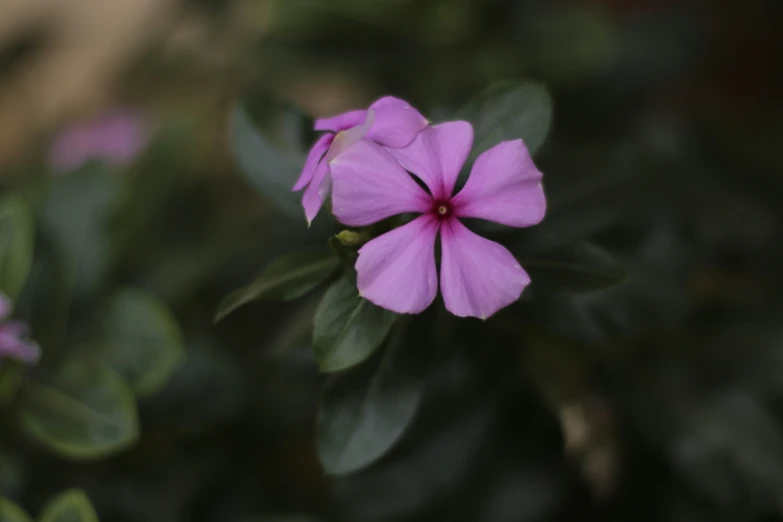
397	270
13	336
389	121
116	138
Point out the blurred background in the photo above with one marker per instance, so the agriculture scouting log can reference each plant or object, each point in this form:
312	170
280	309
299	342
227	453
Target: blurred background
137	138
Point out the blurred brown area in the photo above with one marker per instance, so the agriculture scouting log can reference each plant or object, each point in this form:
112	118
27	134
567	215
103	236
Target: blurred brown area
82	50
86	46
65	60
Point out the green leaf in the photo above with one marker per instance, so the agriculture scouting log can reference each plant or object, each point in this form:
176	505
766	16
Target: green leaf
11	376
87	412
141	340
13	470
508	111
364	413
271	156
70	506
10	512
17	238
207	390
76	215
348	329
582	267
287	277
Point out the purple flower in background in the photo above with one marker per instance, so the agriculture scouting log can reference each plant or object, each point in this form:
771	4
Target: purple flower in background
116	138
389	121
397	270
13	336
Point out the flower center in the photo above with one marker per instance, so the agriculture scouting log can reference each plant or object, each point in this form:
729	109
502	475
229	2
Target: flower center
441	209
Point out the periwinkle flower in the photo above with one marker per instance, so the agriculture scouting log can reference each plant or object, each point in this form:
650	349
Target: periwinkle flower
397	270
13	336
116	138
389	121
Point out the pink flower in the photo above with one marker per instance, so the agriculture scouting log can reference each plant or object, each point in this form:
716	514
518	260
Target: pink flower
13	336
116	138
397	270
389	121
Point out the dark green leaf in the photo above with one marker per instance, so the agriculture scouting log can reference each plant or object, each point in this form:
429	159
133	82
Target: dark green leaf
207	390
17	237
347	328
141	340
10	512
70	506
44	300
88	412
579	268
13	470
76	214
364	413
271	156
285	278
508	111
11	375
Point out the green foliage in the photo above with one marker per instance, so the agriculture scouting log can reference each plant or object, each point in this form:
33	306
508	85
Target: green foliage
581	267
271	156
364	413
140	340
70	506
10	512
86	412
17	238
508	111
76	213
11	376
287	277
347	329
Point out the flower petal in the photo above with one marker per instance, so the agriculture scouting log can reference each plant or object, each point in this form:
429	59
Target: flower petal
504	186
370	186
341	122
313	158
396	122
120	137
316	192
71	148
14	328
346	138
16	348
478	277
437	155
397	271
116	137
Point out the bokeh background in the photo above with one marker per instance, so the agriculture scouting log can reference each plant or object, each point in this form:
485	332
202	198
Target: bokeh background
656	398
